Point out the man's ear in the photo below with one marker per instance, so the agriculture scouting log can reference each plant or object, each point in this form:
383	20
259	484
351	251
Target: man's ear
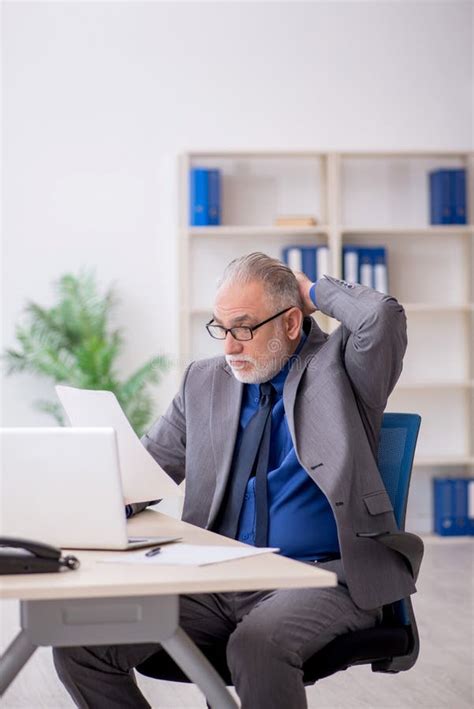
294	322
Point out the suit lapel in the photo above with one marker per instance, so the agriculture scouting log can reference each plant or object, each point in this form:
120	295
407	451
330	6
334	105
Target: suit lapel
226	398
314	340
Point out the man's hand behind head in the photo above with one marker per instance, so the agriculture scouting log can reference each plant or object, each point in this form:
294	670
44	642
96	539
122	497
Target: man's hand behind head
304	285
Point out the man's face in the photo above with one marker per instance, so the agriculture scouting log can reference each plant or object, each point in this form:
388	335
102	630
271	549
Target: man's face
259	359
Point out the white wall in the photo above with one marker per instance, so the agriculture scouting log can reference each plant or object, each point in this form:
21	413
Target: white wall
99	98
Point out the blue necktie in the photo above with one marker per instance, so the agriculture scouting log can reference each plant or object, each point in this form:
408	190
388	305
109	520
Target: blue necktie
252	458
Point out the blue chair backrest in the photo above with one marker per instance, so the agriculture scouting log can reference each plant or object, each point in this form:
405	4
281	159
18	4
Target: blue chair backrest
397	445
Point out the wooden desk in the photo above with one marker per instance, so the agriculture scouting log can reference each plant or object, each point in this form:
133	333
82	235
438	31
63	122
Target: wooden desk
110	604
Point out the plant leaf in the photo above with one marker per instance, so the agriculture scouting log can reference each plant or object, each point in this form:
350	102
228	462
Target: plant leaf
52	408
72	343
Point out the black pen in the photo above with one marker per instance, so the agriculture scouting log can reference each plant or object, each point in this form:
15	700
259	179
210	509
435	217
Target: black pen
153	552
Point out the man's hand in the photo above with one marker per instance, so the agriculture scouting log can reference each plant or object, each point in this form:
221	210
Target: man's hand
133	508
304	285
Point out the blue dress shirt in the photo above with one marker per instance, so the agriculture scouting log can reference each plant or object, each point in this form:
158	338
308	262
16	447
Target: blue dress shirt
301	522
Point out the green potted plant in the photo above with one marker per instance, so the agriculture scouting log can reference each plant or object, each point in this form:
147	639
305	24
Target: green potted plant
72	343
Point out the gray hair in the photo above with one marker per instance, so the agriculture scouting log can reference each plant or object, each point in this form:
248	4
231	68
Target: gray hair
279	281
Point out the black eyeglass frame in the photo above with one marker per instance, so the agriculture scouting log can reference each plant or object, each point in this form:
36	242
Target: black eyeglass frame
250	328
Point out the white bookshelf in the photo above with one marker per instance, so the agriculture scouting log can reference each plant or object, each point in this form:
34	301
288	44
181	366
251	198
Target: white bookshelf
378	198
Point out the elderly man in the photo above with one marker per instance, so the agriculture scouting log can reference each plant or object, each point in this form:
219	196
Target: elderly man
278	442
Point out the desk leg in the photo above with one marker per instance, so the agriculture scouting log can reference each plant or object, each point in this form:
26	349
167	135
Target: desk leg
14	658
110	621
193	663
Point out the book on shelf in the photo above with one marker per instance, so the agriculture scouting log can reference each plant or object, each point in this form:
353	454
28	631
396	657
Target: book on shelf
204	197
297	221
380	273
311	260
459	196
350	264
366	265
453	500
448	196
366	269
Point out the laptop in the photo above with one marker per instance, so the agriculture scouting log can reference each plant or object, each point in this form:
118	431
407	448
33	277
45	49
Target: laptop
62	486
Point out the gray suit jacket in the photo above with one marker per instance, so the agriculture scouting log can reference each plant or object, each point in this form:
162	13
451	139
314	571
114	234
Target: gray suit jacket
334	398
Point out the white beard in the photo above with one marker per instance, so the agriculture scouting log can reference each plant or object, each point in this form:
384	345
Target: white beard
260	371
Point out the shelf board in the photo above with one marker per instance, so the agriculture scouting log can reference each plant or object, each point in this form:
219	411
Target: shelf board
406	154
200	311
324	229
318	230
433	384
255	154
311	152
445	229
409	308
438	307
444	460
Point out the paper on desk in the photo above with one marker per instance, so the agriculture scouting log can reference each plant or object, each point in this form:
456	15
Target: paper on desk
142	477
187	555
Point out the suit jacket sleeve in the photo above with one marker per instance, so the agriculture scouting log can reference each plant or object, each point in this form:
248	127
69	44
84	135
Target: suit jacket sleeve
375	339
166	439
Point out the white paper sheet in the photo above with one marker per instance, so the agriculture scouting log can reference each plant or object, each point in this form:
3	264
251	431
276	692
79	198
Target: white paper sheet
142	477
187	555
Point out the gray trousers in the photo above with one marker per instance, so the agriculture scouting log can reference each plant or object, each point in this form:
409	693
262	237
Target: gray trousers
270	634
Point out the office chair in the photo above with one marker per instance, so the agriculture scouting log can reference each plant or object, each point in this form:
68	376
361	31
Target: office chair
390	647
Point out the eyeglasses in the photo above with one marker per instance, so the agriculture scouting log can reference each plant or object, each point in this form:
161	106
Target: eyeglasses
241	332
